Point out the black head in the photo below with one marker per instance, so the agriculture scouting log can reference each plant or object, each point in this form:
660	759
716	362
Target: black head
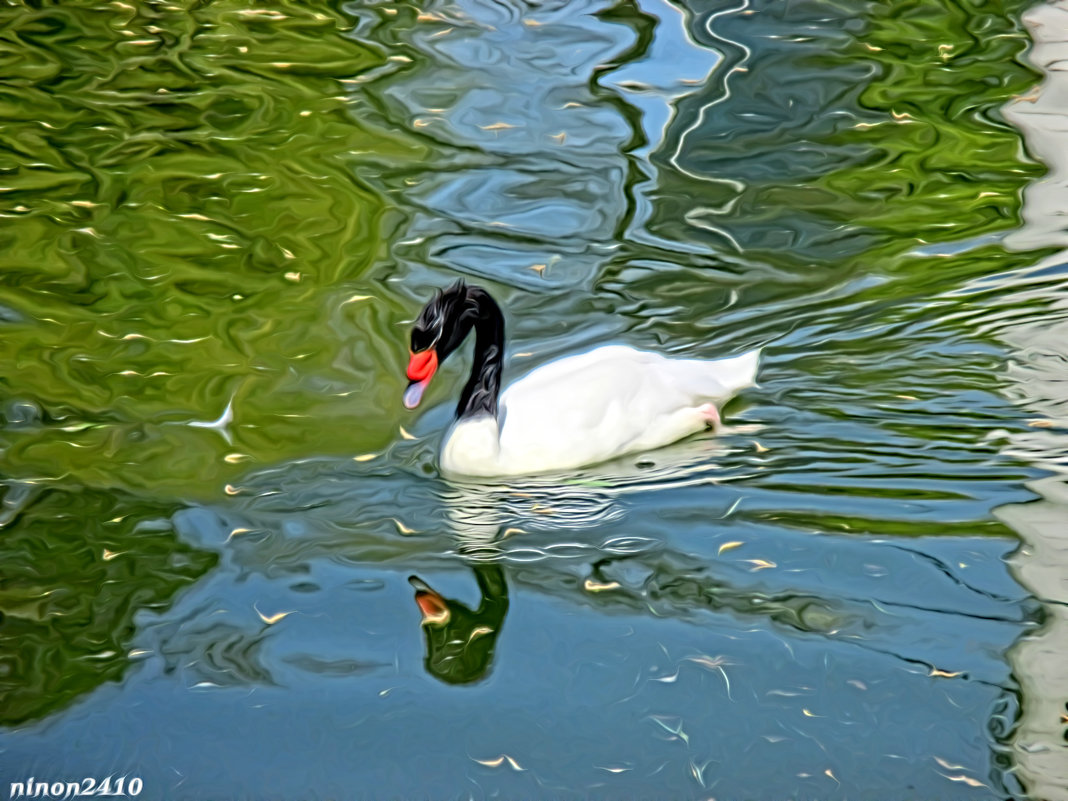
445	320
441	327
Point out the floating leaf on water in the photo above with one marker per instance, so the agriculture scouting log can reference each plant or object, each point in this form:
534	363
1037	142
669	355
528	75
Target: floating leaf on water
270	620
714	663
364	457
269	13
403	529
944	674
597	586
78	427
672	726
560	137
760	564
234	458
538	268
496	763
237	532
728	546
497	126
709	662
405	435
510	531
809	714
968	780
697	773
109	555
532	23
758	447
946	764
1041	423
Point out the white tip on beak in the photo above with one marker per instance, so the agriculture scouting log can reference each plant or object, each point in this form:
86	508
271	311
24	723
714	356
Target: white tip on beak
414	394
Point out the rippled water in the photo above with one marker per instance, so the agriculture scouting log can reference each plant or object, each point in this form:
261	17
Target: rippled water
218	224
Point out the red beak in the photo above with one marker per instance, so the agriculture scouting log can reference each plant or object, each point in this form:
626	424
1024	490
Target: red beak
421	368
422	365
431	604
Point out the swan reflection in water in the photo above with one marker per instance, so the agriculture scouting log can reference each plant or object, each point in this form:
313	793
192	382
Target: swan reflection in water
460	641
488	521
485	518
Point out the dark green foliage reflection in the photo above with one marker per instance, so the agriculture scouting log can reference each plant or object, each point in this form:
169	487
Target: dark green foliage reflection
75	568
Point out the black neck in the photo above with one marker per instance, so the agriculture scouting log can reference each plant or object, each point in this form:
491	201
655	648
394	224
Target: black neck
479	395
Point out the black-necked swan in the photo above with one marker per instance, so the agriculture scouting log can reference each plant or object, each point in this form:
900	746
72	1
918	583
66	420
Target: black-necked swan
575	411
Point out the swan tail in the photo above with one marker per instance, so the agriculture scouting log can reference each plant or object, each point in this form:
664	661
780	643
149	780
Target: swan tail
722	379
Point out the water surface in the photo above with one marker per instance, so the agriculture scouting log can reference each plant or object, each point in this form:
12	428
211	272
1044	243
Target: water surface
219	222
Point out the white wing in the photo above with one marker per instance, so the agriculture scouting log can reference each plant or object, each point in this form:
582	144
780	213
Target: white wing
592	406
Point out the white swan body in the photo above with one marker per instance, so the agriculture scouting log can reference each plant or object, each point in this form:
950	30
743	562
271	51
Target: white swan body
572	412
591	407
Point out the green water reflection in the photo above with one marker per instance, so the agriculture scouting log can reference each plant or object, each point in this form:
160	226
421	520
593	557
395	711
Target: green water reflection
186	227
78	565
200	204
